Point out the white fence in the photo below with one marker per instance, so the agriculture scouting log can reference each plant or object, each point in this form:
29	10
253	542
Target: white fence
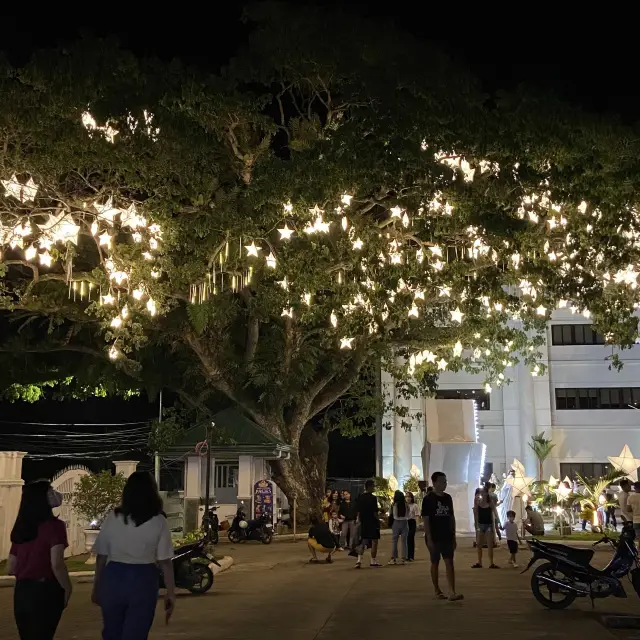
64	482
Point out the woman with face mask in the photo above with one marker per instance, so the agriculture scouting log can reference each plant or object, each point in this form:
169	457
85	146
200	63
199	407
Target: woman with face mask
36	559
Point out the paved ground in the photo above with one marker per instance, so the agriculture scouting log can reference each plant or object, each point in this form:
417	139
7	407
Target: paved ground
272	593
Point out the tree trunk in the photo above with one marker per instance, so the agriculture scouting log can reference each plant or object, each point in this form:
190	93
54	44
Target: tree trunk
303	477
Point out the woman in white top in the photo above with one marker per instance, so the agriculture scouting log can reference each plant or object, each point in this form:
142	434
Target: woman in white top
414	514
400	526
133	541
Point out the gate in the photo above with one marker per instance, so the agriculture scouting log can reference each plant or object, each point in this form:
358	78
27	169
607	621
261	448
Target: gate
64	482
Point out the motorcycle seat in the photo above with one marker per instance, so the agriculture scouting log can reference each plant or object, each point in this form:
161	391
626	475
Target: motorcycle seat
579	556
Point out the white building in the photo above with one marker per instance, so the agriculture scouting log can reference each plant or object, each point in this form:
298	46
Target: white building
581	403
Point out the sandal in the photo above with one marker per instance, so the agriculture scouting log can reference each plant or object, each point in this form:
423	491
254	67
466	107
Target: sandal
477	565
456	597
440	596
494	566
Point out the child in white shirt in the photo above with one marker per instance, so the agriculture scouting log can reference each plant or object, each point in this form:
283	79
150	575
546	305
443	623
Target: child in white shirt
511	530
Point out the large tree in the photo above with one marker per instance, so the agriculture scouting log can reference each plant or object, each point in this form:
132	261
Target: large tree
339	198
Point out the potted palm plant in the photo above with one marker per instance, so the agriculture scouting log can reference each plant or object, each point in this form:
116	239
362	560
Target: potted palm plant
541	448
94	496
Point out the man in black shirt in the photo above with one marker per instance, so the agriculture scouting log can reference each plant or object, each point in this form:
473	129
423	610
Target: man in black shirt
367	509
440	533
348	513
320	539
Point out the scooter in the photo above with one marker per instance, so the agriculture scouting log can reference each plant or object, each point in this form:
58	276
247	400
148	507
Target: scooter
568	575
211	525
241	530
191	567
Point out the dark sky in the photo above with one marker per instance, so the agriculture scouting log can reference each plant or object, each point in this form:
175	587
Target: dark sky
591	60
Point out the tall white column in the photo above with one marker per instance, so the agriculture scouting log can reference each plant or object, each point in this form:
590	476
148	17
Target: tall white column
192	482
125	467
245	478
10	494
527	418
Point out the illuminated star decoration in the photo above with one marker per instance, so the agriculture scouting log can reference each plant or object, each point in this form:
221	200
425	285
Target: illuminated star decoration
285	232
60	228
23	192
345	343
252	249
626	463
457	315
519	481
106	212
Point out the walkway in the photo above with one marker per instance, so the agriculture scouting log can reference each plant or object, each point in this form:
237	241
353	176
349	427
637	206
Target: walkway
272	594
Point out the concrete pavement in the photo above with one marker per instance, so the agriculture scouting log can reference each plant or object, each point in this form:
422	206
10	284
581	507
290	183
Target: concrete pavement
271	592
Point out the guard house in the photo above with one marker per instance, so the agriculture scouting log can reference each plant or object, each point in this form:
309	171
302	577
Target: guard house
240	452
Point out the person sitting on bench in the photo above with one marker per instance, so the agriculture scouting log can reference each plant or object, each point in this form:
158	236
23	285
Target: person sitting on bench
320	539
533	523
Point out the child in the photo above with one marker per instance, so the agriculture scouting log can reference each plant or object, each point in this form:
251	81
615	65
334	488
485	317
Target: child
335	526
511	529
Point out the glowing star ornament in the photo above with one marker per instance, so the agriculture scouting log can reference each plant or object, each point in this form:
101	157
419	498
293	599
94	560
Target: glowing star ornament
12	187
457	315
553	482
519	481
442	365
116	323
252	249
284	283
108	299
316	211
396	212
105	240
413	312
129	218
346	199
271	261
151	307
357	244
457	349
106	212
60	228
285	232
114	354
345	343
288	207
45	259
287	312
30	253
626	463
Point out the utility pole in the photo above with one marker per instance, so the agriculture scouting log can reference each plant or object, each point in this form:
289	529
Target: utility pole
208	469
157	455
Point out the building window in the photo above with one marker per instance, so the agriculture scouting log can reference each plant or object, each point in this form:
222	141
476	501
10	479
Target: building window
587	470
479	395
598	398
226	475
563	335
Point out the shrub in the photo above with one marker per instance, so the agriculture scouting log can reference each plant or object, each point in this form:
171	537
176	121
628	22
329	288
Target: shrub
96	495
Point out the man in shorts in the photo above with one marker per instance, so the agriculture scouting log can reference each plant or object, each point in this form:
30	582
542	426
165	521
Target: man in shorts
440	534
369	523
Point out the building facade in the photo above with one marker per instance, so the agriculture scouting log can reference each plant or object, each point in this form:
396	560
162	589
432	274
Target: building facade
588	408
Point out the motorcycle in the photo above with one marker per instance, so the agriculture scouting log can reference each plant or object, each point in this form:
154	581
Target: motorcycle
191	567
241	530
211	525
567	573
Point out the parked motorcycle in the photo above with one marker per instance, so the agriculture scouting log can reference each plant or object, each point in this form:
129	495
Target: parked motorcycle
242	530
211	525
191	567
567	574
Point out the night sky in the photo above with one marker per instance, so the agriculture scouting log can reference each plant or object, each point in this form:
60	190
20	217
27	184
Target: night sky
590	61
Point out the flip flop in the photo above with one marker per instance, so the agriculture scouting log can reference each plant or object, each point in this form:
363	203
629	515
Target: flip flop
477	565
456	597
440	596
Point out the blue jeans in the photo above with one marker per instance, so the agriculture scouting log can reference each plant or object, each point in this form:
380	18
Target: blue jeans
128	595
399	529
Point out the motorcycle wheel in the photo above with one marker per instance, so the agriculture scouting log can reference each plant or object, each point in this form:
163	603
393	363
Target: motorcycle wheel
545	593
205	575
215	537
267	538
233	536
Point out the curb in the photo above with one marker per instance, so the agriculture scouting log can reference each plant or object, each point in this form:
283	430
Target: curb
82	577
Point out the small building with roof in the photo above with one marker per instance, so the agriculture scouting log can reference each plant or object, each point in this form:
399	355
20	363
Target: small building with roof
240	454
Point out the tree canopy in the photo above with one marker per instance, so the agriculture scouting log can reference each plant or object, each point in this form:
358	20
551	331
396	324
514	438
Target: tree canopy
326	205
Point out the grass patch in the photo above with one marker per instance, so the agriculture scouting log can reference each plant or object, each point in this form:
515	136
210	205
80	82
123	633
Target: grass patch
74	563
588	536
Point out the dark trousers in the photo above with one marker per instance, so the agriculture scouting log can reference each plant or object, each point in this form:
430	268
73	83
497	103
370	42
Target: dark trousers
37	607
611	517
128	594
411	541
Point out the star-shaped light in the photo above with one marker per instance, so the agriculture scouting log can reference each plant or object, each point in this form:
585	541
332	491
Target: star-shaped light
114	354
30	253
151	306
285	232
130	218
413	312
345	343
442	364
287	312
316	211
519	481
396	212
457	315
105	240
29	191
429	356
108	299
541	310
45	259
284	283
357	244
106	212
457	349
626	463
553	482
444	291
271	261
60	228
12	187
288	207
346	199
252	249
116	323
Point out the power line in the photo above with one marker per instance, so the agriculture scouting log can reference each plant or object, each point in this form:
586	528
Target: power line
74	424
